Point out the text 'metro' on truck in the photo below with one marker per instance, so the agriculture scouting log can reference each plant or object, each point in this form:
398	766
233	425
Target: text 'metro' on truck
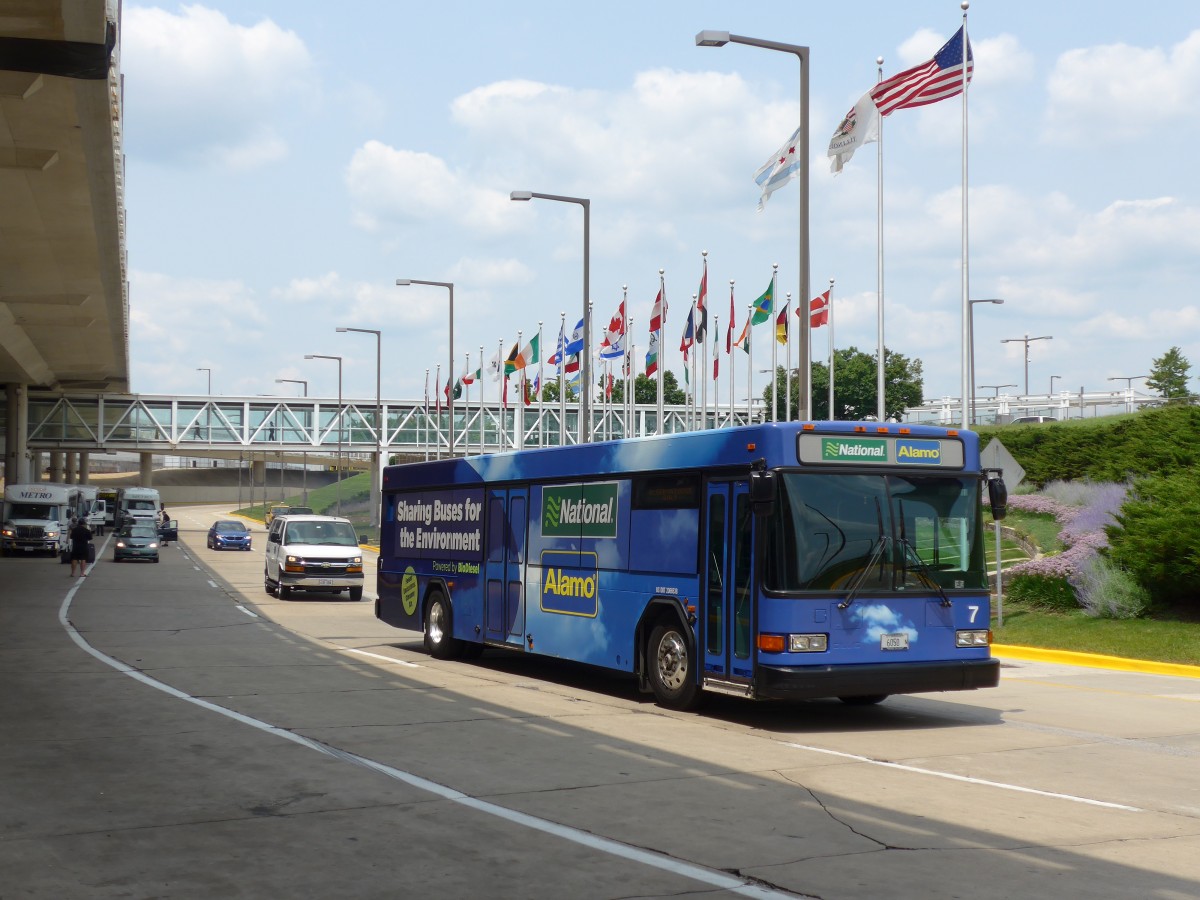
36	517
778	561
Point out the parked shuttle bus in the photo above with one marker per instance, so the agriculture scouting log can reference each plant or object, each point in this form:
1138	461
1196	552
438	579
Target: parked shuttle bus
109	497
797	560
137	504
36	518
89	506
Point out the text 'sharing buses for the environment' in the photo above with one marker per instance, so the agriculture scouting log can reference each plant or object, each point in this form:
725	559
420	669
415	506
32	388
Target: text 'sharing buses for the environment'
772	561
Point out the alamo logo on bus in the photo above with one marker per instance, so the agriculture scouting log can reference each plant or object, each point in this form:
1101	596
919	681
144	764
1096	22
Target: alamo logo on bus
927	453
580	510
853	450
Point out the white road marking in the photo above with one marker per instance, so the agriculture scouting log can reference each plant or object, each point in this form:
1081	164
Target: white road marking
246	611
388	659
212	584
712	877
952	777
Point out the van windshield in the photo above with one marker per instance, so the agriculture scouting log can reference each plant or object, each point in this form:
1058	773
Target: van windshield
333	534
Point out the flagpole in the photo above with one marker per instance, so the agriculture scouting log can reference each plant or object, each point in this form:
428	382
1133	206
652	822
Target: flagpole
703	341
749	363
467	405
774	355
729	353
966	308
829	304
425	419
437	432
626	334
716	369
583	385
562	371
519	407
787	349
694	399
481	399
502	431
881	361
541	405
662	346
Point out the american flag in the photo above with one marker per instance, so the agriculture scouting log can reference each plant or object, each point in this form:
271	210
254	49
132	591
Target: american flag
927	83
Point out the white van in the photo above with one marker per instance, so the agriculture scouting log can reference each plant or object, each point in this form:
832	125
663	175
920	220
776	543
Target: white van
36	518
319	554
138	505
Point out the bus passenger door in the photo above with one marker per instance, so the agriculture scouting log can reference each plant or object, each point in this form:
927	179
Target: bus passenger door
728	600
504	614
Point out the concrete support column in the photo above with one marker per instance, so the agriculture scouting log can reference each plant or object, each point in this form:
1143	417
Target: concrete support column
16	435
35	466
71	458
146	473
258	472
84	459
56	466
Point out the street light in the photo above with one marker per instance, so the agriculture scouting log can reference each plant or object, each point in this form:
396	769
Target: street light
1129	380
971	345
303	453
997	387
449	285
585	358
803	362
1053	378
338	359
209	371
1026	341
377	469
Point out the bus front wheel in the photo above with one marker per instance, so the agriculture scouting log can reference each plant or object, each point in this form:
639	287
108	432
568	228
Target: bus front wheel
438	628
671	668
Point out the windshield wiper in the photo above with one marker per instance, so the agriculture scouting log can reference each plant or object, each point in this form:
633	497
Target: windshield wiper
924	571
876	554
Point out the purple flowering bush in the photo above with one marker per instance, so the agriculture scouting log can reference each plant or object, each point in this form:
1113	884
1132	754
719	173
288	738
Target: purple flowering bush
1078	576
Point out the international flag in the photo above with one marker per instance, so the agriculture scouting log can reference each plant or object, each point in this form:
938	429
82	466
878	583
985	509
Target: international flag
652	355
729	330
818	311
689	335
560	351
781	325
764	305
608	387
496	365
702	307
575	345
474	377
510	361
437	396
528	355
931	81
716	356
779	169
656	313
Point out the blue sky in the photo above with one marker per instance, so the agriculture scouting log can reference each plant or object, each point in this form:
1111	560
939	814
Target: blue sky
286	162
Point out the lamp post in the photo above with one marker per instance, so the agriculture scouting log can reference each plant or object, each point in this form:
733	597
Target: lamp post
803	362
1027	340
449	285
585	358
971	344
1053	378
304	453
377	469
338	359
1129	380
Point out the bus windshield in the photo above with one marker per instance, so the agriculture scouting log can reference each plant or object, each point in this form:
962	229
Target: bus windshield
886	533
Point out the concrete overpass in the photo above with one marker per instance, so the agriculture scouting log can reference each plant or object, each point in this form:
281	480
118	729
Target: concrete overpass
64	309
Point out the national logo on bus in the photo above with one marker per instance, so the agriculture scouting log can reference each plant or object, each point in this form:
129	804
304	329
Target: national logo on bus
853	450
580	510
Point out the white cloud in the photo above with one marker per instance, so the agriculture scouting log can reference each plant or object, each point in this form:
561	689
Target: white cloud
1116	91
200	87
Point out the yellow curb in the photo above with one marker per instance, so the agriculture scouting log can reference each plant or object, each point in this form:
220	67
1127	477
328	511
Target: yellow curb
1095	661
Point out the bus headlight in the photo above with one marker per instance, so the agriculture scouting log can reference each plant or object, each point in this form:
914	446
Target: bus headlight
978	638
808	643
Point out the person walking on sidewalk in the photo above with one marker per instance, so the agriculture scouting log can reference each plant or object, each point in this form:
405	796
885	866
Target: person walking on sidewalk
81	537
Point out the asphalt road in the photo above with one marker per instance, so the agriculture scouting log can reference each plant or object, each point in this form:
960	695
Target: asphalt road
173	731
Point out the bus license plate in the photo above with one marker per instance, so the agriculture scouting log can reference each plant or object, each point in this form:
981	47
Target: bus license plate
328	582
893	641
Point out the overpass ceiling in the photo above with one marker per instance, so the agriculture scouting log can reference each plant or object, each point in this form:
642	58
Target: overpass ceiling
64	310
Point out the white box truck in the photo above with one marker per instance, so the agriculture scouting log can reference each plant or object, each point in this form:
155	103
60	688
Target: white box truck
92	508
108	496
36	518
137	504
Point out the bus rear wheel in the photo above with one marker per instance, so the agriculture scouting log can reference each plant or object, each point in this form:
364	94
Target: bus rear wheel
671	668
439	640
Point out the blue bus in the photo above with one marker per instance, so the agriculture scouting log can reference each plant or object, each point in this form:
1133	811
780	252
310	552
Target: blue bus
775	561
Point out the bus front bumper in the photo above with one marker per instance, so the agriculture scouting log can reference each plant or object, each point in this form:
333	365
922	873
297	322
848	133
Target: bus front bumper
812	682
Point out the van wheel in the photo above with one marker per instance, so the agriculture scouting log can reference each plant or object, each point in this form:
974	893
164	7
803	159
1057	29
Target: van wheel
671	669
439	628
356	594
267	582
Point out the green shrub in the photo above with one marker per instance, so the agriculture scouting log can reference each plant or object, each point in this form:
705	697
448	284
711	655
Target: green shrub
1042	592
1157	538
1108	592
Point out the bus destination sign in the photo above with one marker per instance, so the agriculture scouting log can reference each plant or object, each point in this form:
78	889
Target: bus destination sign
884	450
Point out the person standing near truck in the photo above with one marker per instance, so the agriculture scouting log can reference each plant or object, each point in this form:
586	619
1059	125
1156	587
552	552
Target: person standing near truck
81	537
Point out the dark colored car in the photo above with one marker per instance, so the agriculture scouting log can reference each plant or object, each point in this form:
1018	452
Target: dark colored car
136	542
228	534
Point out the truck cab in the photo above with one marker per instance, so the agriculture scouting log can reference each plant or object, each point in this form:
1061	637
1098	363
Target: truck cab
36	519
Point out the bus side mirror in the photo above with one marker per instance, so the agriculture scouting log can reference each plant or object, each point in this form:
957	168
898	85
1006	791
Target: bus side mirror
762	492
998	497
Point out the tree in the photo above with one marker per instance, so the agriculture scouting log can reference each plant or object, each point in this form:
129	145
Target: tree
645	390
855	386
1169	375
550	391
